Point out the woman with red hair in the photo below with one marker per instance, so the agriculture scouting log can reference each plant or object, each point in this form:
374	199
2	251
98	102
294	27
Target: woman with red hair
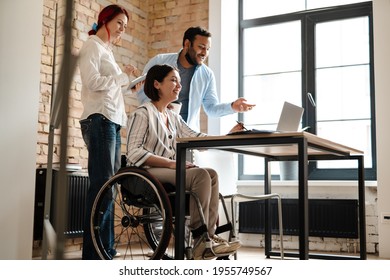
104	110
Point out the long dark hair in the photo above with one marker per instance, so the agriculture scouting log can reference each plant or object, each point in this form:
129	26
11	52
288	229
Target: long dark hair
106	15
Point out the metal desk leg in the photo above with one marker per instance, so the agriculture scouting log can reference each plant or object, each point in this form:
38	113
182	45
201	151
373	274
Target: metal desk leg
267	222
303	201
362	212
180	201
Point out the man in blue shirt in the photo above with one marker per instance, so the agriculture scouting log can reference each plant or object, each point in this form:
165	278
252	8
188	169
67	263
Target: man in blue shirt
197	79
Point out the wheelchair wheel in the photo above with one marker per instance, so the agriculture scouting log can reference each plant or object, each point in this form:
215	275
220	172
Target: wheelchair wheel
131	217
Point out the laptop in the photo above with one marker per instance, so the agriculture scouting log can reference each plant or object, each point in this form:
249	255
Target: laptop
289	120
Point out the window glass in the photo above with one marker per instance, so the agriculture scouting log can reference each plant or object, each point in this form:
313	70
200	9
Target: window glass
269	92
343	93
343	85
272	48
264	8
272	75
352	133
272	71
342	42
253	165
334	64
314	4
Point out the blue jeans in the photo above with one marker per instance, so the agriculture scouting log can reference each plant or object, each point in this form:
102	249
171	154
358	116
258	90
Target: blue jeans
103	141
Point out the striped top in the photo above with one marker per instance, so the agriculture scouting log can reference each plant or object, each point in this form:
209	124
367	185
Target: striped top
148	135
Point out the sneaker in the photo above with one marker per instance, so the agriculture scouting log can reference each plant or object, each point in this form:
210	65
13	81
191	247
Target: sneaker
218	239
234	245
200	252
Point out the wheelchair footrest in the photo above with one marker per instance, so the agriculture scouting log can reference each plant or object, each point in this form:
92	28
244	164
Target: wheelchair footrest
224	228
199	231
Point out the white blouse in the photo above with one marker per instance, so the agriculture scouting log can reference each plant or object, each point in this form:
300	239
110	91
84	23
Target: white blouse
102	81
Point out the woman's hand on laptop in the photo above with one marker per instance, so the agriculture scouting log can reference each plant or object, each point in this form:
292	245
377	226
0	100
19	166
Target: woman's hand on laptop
238	127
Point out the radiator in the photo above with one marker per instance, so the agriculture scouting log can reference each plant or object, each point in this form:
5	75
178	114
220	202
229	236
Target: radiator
327	217
77	194
77	188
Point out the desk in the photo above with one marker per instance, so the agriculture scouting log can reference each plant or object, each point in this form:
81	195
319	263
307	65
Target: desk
300	146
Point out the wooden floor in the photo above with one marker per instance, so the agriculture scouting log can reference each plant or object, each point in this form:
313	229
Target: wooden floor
244	253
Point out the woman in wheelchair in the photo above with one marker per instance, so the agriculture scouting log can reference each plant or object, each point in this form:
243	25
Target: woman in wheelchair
151	144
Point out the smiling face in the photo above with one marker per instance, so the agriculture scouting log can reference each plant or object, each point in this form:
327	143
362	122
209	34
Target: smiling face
117	26
170	87
198	51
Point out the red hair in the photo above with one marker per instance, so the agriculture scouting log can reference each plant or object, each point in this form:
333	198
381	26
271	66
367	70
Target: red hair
106	15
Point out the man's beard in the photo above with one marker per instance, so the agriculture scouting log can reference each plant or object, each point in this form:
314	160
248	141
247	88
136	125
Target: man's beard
190	60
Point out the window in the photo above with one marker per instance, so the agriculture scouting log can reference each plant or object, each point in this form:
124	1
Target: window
290	49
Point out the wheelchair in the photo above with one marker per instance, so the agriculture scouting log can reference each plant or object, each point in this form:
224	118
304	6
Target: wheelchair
132	218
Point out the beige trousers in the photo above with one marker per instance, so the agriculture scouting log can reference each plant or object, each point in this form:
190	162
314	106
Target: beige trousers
204	183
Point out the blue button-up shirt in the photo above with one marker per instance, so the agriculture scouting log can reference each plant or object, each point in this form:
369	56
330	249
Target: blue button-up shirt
203	91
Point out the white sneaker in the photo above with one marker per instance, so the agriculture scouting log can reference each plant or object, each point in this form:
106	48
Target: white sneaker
200	252
234	245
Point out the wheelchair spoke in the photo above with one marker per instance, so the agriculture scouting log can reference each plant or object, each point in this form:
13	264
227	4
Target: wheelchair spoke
137	209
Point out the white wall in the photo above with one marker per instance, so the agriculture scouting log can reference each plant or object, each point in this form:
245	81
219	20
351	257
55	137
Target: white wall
20	56
223	58
382	87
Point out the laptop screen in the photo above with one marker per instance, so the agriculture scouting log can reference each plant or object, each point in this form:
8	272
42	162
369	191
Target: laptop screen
290	117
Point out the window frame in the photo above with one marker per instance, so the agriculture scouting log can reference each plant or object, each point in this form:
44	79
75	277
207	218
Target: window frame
309	19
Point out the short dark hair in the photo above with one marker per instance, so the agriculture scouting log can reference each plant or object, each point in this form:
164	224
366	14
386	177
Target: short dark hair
191	33
156	73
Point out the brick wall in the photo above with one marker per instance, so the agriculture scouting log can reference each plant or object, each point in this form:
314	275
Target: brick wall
155	26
